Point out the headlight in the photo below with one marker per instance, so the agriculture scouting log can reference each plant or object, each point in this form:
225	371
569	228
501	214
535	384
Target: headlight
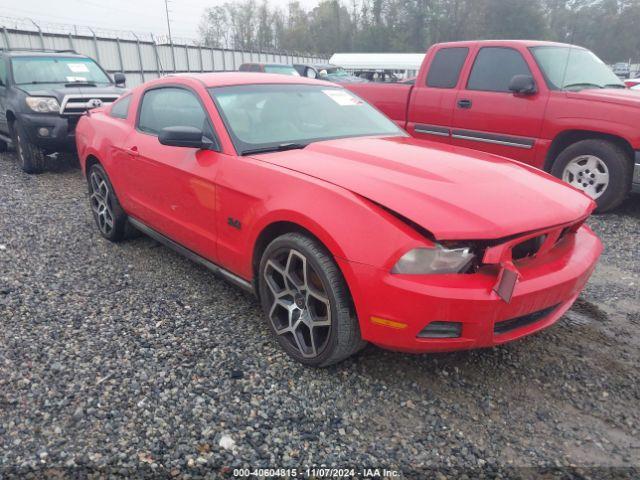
43	104
421	261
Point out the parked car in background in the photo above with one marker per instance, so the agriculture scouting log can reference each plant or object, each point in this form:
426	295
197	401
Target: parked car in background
269	68
632	82
327	72
42	96
622	69
348	230
381	67
380	76
547	104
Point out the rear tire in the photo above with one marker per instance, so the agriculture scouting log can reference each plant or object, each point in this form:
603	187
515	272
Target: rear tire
107	212
31	158
3	146
306	301
600	168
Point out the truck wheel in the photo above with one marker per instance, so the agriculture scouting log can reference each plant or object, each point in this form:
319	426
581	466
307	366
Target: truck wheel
3	146
599	168
31	157
306	301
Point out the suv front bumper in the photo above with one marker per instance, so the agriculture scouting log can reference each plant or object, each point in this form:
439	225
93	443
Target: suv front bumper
50	132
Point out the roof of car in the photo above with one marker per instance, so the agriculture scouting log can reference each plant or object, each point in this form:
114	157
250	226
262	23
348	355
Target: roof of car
41	53
524	43
268	64
223	79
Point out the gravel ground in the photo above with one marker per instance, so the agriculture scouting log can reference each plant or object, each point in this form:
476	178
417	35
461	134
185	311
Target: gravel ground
130	360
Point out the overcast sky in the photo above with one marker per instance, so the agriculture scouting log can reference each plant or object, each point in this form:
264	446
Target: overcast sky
137	15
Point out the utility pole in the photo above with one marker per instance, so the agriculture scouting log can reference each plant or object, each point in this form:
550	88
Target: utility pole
166	8
173	53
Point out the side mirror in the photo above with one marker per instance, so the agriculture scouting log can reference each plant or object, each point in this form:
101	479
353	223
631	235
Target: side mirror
523	85
189	137
119	79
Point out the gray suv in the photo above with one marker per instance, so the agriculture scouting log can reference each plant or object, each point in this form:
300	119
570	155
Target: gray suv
42	96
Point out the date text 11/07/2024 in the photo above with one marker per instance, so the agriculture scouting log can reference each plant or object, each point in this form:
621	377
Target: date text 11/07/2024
317	472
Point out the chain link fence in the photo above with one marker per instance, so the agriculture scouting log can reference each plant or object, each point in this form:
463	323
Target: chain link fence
140	56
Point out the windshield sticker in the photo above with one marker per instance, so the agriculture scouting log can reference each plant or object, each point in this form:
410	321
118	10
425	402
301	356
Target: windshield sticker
78	67
76	79
342	98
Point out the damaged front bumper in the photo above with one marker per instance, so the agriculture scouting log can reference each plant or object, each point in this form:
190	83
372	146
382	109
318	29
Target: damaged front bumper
395	311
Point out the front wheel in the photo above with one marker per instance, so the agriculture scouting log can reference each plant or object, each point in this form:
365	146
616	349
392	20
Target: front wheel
599	168
32	158
107	212
306	301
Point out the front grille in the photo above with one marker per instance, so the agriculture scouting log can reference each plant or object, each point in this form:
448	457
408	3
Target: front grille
78	104
514	323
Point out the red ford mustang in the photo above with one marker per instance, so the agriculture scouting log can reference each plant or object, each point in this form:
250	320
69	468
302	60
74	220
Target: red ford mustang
347	230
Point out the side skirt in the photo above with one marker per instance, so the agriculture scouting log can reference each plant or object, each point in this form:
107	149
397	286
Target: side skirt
194	257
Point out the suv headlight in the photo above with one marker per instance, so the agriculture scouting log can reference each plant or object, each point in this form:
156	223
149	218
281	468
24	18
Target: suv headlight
422	261
43	104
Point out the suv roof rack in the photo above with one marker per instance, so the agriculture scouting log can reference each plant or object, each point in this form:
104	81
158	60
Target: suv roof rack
43	50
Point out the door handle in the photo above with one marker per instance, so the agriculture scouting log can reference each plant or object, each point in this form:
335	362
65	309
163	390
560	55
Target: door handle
133	151
465	103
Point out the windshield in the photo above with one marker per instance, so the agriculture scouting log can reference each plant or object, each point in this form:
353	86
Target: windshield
33	70
574	69
282	69
267	116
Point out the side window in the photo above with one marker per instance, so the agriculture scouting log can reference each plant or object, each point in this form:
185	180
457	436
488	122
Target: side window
171	107
120	109
446	66
254	68
3	72
495	67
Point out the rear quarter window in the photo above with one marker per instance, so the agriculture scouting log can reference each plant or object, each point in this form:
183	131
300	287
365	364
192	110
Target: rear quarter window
446	66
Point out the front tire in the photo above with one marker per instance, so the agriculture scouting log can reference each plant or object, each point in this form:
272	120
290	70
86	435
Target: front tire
31	158
306	301
599	168
107	212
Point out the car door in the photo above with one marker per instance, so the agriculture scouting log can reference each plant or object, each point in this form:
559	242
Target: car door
4	128
171	189
489	117
430	114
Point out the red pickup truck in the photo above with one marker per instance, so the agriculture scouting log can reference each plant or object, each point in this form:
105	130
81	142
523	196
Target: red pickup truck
557	107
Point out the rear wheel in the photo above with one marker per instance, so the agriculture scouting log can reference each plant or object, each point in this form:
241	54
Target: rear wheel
307	302
599	168
31	158
107	212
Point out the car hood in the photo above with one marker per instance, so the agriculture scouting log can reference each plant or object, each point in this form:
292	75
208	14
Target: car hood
341	79
455	193
620	96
